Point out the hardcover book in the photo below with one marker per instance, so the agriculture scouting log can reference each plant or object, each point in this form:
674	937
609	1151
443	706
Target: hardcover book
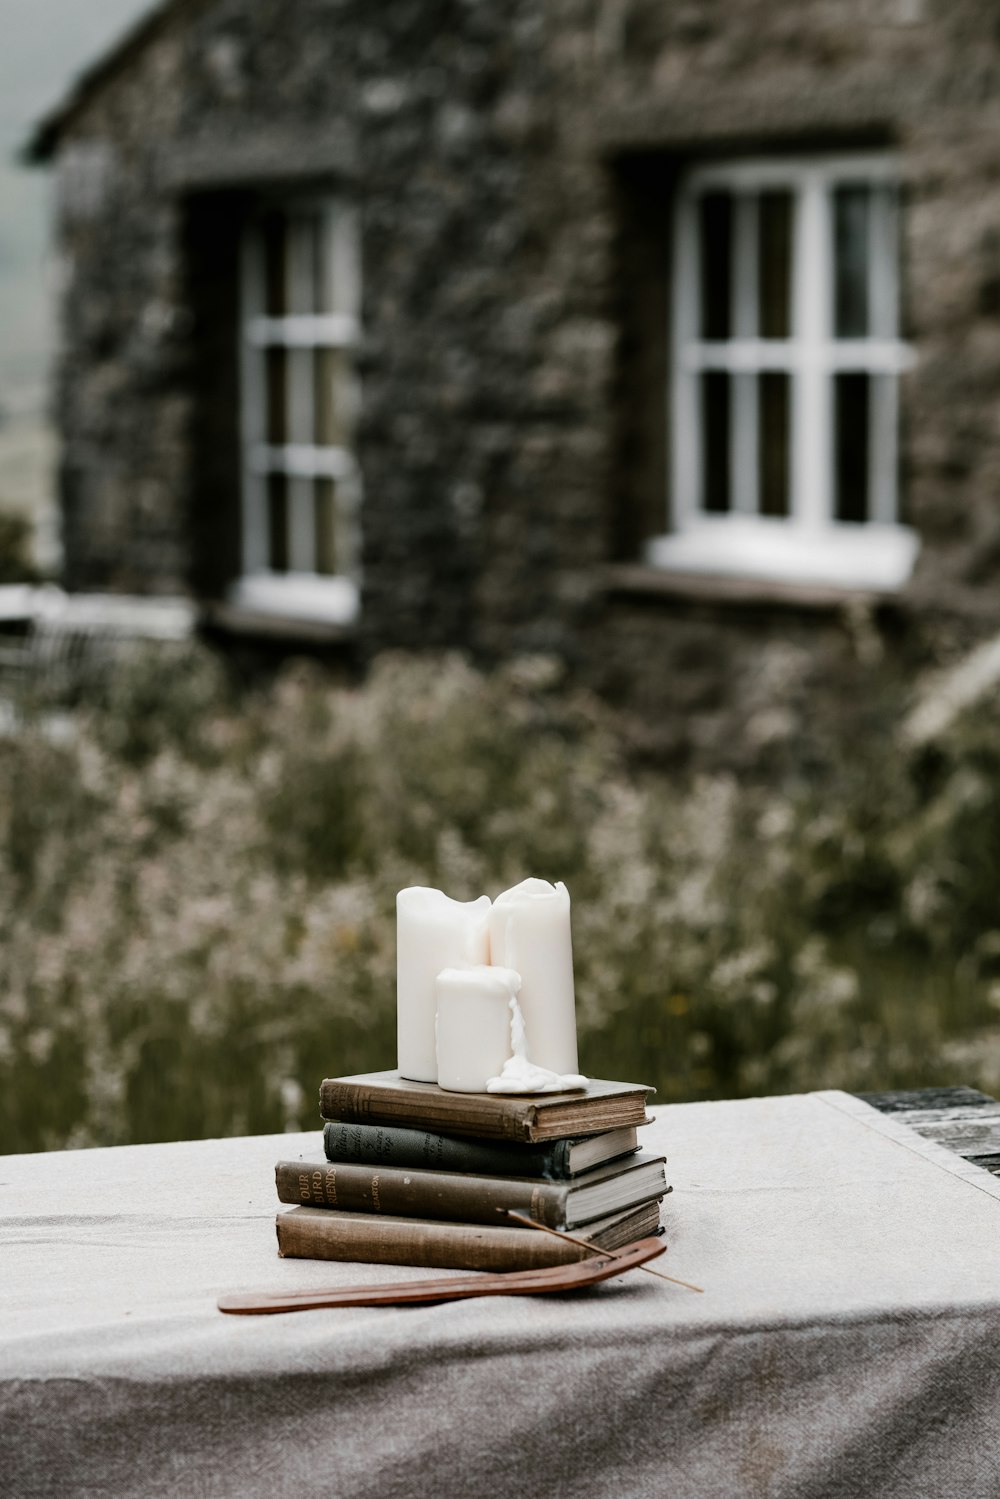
461	1197
328	1234
393	1145
388	1098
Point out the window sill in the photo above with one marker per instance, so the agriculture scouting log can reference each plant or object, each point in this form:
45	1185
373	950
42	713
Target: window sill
639	580
288	606
757	553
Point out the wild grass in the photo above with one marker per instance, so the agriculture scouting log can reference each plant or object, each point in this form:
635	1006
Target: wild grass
197	895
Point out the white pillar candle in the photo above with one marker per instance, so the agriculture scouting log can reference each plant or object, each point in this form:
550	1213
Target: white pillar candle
432	932
473	1025
529	932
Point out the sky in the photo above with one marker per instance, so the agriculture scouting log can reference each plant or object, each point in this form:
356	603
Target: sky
46	44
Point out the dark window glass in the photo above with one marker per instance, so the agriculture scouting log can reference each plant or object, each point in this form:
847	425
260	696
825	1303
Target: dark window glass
851	231
276	363
317	247
773	418
333	397
903	466
715	403
715	225
277	521
775	269
323	397
851	406
326	557
275	264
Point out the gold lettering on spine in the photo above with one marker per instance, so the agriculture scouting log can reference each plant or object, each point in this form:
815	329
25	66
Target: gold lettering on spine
537	1209
304	1190
329	1192
375	1198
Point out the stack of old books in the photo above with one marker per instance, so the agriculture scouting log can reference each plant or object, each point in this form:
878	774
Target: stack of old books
415	1175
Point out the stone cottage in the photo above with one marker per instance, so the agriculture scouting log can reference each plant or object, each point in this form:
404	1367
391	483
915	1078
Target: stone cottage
662	337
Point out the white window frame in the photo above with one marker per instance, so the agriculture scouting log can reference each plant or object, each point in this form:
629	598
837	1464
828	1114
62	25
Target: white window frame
809	545
301	592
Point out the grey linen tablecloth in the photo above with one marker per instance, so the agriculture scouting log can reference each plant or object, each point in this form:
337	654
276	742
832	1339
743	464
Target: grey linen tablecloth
848	1341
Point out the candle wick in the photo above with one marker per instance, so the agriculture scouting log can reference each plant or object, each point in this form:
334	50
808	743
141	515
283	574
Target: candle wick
592	1248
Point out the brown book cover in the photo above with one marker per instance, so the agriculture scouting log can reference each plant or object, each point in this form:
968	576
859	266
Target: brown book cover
465	1198
363	1238
387	1098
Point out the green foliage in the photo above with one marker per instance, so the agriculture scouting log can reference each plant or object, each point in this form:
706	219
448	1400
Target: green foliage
154	696
197	916
16	565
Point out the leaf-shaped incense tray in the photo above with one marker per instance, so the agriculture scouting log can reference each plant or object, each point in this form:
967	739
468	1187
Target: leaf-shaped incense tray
553	1279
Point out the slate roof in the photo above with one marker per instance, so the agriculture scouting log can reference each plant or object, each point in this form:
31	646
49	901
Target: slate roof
42	142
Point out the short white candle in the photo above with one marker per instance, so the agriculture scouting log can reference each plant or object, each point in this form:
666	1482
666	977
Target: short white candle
473	1025
530	932
432	932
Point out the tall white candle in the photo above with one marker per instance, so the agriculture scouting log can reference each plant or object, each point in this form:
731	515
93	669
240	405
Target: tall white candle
432	932
473	1025
530	932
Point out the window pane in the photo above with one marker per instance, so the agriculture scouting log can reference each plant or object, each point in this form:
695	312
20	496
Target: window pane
277	522
715	238
851	234
900	465
274	234
276	361
773	416
319	255
334	388
301	251
775	266
326	549
715	404
851	405
883	252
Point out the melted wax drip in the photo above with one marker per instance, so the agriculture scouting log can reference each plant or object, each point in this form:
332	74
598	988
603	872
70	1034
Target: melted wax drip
521	1076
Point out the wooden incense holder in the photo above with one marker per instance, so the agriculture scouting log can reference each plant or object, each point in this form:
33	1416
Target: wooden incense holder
553	1278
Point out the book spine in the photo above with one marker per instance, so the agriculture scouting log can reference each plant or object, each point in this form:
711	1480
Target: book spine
455	1113
386	1145
324	1235
398	1192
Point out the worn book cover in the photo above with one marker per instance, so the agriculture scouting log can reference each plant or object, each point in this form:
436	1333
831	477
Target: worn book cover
328	1234
465	1198
388	1098
395	1145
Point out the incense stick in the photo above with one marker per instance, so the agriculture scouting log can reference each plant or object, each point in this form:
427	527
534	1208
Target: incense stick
592	1248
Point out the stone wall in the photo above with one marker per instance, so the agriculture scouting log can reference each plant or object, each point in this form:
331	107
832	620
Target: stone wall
513	167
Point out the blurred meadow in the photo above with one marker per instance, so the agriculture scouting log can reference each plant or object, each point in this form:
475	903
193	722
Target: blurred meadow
197	893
